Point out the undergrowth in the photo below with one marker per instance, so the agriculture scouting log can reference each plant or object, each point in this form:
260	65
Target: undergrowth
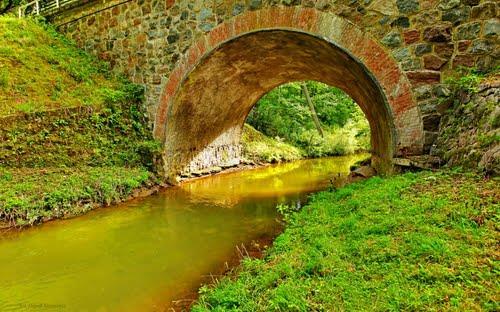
73	136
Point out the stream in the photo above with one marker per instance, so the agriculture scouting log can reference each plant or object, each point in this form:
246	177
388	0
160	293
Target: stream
153	253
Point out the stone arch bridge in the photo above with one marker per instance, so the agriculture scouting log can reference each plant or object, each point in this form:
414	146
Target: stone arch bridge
206	63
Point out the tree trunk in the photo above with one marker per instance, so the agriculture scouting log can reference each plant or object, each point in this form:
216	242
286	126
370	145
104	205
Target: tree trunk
313	111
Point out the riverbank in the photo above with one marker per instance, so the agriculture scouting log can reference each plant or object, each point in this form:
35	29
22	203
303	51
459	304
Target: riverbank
424	241
185	234
73	135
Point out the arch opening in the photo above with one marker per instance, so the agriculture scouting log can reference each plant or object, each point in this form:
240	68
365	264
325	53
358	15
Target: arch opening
204	120
308	119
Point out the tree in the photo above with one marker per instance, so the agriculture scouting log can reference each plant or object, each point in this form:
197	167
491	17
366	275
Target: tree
311	108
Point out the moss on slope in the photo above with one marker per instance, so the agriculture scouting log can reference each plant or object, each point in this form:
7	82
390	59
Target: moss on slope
42	70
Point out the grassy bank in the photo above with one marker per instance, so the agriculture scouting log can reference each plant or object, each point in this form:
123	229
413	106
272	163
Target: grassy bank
425	241
260	148
41	70
73	136
30	196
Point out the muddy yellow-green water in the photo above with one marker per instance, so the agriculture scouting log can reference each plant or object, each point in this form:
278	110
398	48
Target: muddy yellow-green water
142	255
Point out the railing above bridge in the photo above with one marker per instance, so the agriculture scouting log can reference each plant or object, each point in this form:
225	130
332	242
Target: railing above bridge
45	7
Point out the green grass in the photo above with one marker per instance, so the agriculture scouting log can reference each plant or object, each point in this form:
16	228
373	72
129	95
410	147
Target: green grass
415	242
42	70
28	196
73	136
260	148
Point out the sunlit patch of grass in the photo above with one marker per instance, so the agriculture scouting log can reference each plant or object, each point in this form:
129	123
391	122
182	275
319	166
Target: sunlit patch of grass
43	68
260	148
419	242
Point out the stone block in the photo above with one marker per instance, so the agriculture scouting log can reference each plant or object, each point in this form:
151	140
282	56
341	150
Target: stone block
456	15
428	107
438	33
468	31
433	62
431	122
444	50
491	27
485	10
392	39
411	36
482	46
422	92
407	6
419	77
422	48
466	60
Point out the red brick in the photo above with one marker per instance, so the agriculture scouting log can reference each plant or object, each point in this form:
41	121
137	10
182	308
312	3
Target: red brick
169	3
307	19
196	52
245	23
463	45
402	103
219	34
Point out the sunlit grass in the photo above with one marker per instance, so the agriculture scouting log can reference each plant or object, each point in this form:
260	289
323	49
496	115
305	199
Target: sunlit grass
42	70
416	242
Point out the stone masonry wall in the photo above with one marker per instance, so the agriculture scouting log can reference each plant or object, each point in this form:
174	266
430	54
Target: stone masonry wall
428	38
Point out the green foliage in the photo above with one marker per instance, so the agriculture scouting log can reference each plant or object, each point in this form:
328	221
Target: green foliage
260	148
469	127
284	113
41	67
467	81
6	5
73	135
28	196
4	78
117	135
416	242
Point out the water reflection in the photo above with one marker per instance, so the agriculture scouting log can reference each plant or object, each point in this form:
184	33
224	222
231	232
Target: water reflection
141	255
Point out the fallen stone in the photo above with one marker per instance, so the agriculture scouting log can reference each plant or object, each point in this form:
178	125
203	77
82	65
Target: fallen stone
364	171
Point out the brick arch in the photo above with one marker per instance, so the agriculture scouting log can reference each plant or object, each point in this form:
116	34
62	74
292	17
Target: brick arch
395	119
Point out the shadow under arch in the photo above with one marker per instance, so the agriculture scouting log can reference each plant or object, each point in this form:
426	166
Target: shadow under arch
205	118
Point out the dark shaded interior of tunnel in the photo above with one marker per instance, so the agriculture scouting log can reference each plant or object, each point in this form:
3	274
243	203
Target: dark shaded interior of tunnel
223	88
